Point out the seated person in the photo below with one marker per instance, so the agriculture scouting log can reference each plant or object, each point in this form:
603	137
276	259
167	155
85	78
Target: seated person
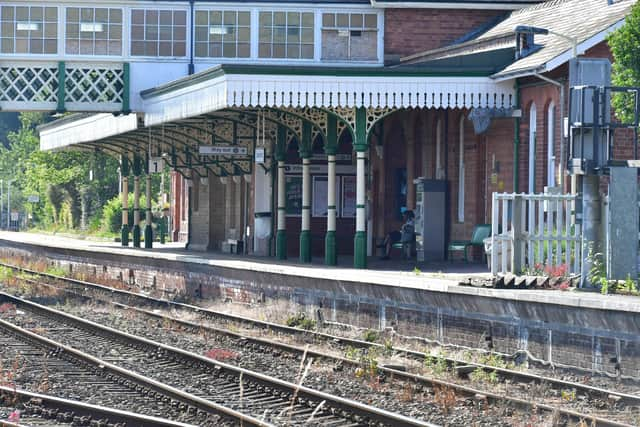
405	235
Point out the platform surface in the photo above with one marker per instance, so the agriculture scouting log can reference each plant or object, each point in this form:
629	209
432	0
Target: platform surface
438	277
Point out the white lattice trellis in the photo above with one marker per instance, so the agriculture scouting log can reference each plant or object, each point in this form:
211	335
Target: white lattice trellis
94	87
21	85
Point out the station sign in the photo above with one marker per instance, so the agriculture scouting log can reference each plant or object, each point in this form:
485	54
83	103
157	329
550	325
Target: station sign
319	169
156	164
34	198
222	150
260	156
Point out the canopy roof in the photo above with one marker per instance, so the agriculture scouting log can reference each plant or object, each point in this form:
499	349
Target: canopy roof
286	87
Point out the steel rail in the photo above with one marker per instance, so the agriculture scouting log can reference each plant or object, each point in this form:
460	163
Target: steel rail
82	409
556	383
336	402
393	373
505	373
133	377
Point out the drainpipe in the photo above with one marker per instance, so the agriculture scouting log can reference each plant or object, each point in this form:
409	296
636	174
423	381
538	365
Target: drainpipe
191	45
516	143
562	139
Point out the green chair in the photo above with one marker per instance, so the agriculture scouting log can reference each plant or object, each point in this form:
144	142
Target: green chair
480	232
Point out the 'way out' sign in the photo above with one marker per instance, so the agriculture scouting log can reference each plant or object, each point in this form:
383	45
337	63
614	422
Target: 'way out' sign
222	150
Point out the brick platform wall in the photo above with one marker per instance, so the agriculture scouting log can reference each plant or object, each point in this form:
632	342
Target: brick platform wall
571	336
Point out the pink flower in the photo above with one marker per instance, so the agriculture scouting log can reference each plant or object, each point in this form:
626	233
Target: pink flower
14	417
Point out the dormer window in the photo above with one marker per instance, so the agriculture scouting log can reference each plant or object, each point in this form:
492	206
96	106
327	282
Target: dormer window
525	45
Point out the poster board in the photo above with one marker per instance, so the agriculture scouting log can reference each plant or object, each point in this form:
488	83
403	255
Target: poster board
319	207
293	195
348	196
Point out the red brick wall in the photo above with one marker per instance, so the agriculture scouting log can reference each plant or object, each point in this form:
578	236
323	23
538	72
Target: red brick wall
409	31
542	95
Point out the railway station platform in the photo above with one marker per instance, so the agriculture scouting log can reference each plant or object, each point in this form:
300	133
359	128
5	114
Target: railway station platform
441	277
577	329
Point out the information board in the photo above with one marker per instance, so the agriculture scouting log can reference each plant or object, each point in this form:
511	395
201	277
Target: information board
293	192
320	194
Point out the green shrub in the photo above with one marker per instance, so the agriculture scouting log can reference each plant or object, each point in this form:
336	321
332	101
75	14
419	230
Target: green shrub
300	320
112	213
370	335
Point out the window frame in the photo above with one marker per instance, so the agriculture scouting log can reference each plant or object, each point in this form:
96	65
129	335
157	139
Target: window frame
223	11
350	28
300	44
65	34
159	9
29	39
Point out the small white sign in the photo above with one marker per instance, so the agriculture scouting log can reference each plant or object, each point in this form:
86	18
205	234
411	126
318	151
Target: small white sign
15	216
156	164
222	150
259	155
34	198
320	169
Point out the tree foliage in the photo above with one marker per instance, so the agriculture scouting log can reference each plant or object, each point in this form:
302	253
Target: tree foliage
625	47
68	196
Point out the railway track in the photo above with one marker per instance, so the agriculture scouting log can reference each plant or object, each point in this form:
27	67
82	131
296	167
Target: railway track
259	399
133	299
575	416
37	360
36	409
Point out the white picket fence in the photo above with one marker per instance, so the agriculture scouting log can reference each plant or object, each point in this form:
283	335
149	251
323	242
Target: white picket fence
534	229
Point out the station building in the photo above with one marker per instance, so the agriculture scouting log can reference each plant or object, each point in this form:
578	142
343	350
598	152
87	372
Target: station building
297	129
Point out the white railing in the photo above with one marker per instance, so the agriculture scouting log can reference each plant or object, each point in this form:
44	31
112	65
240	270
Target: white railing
534	232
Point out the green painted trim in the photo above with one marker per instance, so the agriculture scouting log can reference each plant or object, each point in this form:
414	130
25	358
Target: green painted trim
305	207
124	166
124	234
281	244
148	237
136	236
330	252
331	147
62	88
281	144
126	88
360	141
332	207
287	70
360	250
304	149
137	165
360	207
305	246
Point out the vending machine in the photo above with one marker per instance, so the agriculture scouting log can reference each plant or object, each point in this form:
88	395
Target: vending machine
430	220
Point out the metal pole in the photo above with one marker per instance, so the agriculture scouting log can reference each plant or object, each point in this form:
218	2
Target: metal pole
1	200
8	205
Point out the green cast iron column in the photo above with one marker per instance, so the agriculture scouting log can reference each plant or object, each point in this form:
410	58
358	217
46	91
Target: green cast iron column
305	232
331	148
124	172
281	234
361	147
148	230
137	169
62	87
